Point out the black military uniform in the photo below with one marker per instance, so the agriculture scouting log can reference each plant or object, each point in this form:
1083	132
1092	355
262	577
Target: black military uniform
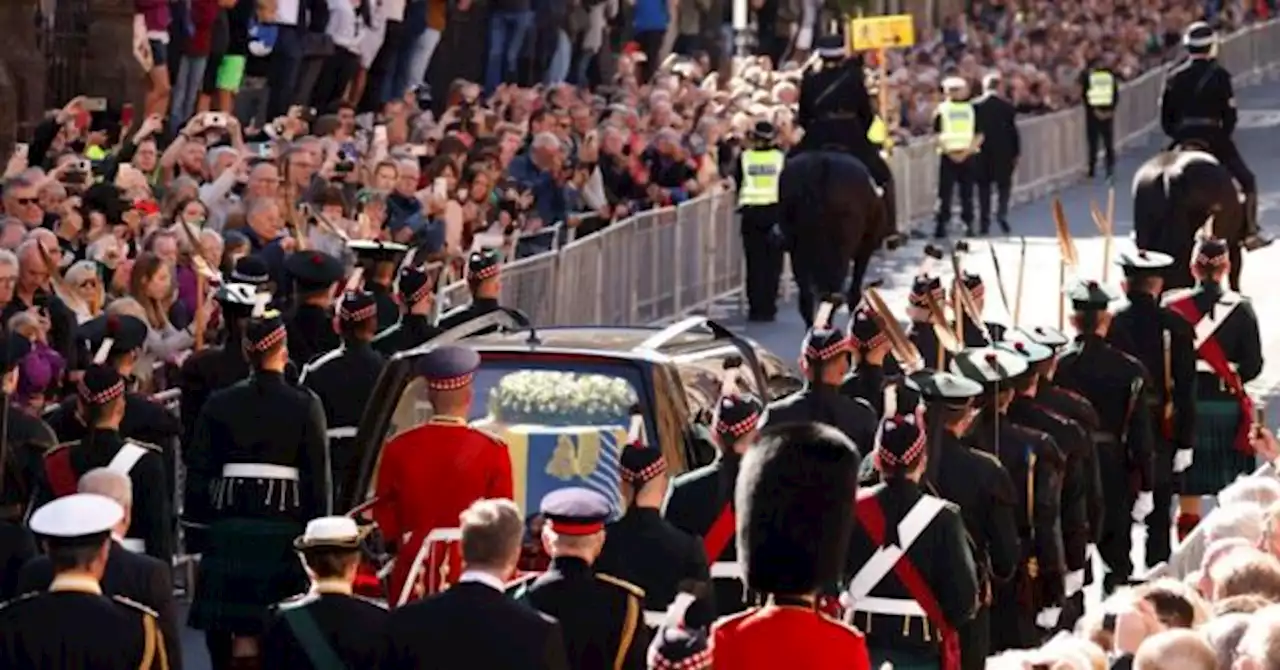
921	332
328	623
1222	417
251	270
600	614
260	453
1034	464
418	295
484	271
826	355
701	501
976	482
1076	446
904	626
758	176
310	325
835	108
344	380
1165	345
1114	383
151	526
1100	89
869	344
1199	104
218	367
643	548
27	438
73	625
973	335
379	259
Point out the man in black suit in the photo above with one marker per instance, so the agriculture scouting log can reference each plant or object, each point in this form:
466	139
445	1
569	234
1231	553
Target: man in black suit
1001	147
456	628
138	577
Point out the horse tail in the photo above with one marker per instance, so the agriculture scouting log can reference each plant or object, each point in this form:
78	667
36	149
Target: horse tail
1152	210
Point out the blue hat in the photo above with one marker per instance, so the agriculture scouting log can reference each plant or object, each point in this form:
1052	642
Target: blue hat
900	441
99	385
1212	252
264	332
250	270
943	387
824	344
448	368
484	264
1046	336
1087	295
357	306
575	511
640	464
313	270
739	414
1143	263
127	333
988	365
922	286
16	347
864	328
414	285
1017	342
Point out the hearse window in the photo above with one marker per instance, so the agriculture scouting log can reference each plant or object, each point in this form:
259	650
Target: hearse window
702	379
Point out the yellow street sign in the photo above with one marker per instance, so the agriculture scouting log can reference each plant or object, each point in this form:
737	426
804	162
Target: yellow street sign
883	32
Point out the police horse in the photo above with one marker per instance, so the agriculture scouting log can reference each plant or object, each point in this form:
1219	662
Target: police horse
1174	194
832	215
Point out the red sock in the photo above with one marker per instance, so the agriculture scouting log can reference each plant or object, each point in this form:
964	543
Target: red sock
1186	523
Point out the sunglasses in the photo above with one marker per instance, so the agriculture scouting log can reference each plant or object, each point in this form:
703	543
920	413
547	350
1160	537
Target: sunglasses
27	201
89	283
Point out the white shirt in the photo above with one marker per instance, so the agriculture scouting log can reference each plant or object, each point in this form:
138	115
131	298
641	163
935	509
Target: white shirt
343	27
287	12
483	578
394	9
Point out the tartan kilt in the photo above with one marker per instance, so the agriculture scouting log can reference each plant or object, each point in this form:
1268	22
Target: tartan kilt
1216	462
247	566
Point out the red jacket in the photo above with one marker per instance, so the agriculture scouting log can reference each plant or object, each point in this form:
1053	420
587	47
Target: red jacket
427	477
783	636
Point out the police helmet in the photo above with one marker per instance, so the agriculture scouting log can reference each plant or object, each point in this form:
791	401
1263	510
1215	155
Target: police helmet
1199	38
764	131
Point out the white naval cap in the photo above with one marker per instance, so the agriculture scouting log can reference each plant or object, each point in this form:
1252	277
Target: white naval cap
340	532
954	84
79	515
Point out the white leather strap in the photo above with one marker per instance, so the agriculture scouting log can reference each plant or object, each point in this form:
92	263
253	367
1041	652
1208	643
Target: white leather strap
654	619
342	432
126	458
726	570
134	545
1209	323
889	606
910	529
259	471
1202	366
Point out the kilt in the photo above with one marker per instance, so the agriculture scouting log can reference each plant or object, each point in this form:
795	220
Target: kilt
248	566
1216	461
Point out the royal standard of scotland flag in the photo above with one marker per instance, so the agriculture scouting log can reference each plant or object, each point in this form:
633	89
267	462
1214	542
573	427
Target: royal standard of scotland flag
547	458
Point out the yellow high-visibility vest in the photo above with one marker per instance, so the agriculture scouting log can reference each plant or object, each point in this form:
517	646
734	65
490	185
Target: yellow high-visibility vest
761	169
959	126
878	133
95	153
1102	89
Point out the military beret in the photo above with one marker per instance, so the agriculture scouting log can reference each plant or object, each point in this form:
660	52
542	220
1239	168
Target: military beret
575	511
900	440
973	282
824	344
357	306
79	518
1089	295
264	332
99	385
640	464
864	328
127	333
378	251
1047	336
414	285
943	387
1211	252
448	368
831	47
988	365
739	414
1143	263
313	270
16	348
1018	342
250	270
484	264
921	287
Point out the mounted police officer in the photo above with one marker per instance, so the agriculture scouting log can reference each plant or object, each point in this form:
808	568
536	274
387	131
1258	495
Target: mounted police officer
1101	89
757	176
956	123
1199	104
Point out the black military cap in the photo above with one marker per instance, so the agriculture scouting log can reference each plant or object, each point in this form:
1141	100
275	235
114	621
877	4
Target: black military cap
899	441
921	287
484	264
313	270
739	414
264	332
126	333
824	344
973	282
239	299
99	385
794	499
16	348
250	270
448	368
681	641
864	328
763	130
641	464
831	47
943	388
988	366
79	519
1212	252
1046	336
1087	295
378	251
575	511
357	306
414	285
1143	263
1017	342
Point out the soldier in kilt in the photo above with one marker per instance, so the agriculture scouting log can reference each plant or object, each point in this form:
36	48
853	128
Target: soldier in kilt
1228	355
261	443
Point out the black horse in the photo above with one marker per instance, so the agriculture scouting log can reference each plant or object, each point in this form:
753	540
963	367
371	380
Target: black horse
1174	194
831	215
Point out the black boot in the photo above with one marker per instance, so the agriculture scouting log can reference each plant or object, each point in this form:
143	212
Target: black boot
1253	238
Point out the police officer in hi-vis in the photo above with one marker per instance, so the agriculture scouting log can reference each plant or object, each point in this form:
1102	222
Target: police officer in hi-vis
1101	93
955	121
757	177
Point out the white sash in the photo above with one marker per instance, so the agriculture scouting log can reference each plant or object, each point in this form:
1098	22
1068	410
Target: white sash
1209	323
909	530
126	458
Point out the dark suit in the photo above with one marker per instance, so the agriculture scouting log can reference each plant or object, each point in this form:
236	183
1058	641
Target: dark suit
456	629
138	577
1001	146
350	625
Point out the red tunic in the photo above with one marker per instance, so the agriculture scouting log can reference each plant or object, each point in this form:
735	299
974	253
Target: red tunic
784	636
427	477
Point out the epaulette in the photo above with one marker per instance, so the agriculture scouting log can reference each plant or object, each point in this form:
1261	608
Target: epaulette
145	445
294	602
622	584
317	362
730	619
135	605
865	492
517	587
380	604
492	436
59	447
827	618
17	600
990	458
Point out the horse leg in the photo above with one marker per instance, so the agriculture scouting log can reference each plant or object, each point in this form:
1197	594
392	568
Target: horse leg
1237	264
861	262
804	285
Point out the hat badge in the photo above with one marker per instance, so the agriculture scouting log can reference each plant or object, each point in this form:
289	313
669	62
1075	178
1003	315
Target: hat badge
1020	346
